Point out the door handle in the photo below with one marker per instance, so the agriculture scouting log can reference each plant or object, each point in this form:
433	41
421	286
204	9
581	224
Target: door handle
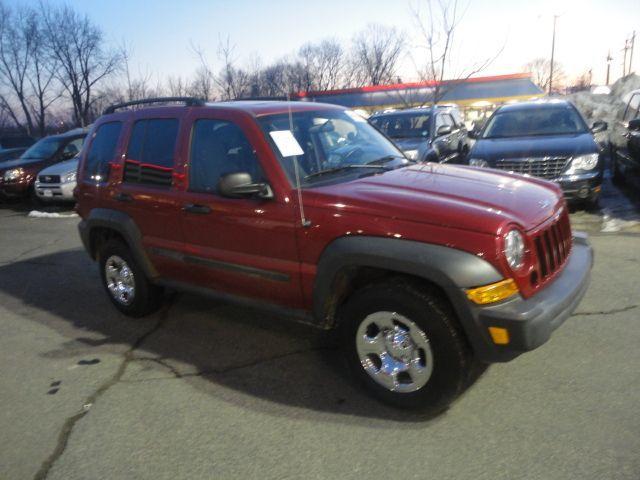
123	197
194	208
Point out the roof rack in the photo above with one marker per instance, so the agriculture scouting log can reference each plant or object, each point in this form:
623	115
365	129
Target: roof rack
263	98
188	102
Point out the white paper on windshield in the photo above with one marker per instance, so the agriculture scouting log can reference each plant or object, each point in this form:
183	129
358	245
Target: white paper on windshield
355	116
286	143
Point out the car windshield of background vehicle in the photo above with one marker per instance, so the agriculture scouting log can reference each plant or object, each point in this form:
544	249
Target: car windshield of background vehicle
43	149
404	126
333	143
534	122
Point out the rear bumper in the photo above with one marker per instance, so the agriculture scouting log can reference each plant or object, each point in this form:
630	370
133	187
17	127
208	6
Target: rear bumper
531	322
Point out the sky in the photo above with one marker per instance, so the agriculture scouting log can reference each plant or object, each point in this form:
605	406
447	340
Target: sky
159	33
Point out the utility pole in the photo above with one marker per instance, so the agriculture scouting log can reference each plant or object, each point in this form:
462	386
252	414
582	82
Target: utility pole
624	61
609	58
633	41
553	51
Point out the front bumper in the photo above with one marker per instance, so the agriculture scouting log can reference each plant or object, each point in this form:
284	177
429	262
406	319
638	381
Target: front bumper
582	186
530	322
55	192
15	189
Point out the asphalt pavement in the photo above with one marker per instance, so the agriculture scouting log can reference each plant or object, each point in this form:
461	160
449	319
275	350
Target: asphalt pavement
208	390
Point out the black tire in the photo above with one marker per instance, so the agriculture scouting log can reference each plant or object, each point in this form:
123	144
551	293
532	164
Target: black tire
147	297
453	363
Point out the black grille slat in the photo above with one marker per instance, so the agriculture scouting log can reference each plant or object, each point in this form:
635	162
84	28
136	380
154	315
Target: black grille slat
49	178
553	245
543	167
542	258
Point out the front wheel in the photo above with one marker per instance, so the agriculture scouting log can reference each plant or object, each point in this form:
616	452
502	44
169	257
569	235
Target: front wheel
402	342
125	282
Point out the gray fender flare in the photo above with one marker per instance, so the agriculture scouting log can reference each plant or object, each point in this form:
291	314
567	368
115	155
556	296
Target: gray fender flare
125	226
449	268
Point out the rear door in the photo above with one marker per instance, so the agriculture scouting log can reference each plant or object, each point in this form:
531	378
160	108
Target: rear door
242	246
147	192
444	144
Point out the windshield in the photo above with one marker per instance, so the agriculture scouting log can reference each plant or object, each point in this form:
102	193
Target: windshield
560	120
43	148
336	142
404	125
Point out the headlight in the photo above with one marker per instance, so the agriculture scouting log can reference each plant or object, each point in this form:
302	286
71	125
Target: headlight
13	174
69	177
411	154
514	249
585	162
478	162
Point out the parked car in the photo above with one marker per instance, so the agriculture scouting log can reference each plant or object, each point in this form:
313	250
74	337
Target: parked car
11	154
56	183
305	209
547	139
431	134
625	142
17	177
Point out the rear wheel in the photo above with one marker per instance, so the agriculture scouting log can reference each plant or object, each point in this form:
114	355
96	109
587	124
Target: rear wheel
125	282
404	346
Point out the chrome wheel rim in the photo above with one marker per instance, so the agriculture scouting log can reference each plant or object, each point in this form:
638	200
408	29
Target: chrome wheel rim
120	281
394	352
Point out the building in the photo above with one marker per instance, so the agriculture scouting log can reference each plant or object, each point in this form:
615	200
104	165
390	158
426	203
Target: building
477	97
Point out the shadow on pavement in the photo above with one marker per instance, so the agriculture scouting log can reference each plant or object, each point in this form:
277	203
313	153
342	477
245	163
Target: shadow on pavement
256	354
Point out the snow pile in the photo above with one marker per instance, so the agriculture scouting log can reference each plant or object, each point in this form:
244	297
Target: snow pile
39	214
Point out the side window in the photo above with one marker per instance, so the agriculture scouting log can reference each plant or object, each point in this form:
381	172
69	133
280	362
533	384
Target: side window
150	152
101	151
439	121
448	120
633	107
217	149
73	148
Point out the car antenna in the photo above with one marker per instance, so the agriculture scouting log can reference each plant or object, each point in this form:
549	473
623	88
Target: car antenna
305	222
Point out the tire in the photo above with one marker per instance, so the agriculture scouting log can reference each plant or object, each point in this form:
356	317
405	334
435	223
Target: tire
120	272
448	364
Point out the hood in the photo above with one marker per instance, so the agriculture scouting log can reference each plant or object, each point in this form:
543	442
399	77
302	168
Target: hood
62	168
21	162
456	196
405	144
536	146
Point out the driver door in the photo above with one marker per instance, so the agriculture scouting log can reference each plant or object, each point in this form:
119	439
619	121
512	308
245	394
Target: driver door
241	246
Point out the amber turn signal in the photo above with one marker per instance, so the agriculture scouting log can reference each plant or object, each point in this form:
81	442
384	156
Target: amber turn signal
499	335
493	292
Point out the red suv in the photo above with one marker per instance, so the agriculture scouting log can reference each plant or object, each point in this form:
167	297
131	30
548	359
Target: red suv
426	270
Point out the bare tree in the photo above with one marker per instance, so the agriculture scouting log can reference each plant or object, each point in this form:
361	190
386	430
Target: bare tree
232	81
376	53
438	28
203	82
540	69
84	58
177	86
26	71
323	64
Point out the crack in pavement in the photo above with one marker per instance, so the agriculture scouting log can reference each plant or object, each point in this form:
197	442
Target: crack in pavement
607	312
222	371
69	424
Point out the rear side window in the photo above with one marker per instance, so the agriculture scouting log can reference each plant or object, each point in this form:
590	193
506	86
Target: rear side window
217	149
150	152
103	147
633	108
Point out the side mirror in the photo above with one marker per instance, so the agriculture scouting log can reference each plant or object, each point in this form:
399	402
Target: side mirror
599	126
238	185
444	130
472	134
634	125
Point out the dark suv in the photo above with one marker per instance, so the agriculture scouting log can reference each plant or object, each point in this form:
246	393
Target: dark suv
548	139
625	142
426	270
426	134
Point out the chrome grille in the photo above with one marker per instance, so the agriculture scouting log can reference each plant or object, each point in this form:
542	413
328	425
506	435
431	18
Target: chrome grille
543	167
49	178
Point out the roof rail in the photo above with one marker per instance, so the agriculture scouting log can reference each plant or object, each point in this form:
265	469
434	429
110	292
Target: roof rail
188	102
263	98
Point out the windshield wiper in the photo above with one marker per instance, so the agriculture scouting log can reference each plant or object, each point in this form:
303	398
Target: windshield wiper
386	159
344	168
